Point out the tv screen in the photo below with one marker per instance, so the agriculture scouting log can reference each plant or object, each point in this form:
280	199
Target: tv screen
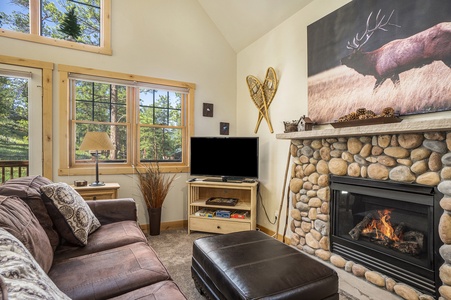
227	157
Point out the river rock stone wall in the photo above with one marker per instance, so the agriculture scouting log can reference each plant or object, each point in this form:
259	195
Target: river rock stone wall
408	158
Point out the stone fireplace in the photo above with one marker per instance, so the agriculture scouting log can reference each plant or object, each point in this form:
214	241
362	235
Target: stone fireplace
414	155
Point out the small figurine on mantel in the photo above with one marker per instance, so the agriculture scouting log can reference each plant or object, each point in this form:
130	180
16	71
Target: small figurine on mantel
305	124
291	126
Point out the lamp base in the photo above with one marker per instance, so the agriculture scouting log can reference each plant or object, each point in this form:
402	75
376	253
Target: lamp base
97	183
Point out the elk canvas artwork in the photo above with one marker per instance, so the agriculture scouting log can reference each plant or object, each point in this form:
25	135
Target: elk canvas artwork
374	54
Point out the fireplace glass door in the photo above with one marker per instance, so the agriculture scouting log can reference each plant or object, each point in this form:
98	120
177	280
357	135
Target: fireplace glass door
388	227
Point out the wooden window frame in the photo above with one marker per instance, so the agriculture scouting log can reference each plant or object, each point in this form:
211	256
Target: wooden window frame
67	165
47	112
34	35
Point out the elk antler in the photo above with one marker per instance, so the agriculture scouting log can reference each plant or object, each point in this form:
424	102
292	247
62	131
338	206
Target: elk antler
358	42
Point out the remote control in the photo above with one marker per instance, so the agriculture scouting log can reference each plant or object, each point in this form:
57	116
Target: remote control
192	179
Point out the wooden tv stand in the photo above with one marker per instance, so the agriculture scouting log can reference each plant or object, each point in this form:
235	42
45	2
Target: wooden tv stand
200	191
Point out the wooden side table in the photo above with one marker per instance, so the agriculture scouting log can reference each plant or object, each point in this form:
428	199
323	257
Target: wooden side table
107	191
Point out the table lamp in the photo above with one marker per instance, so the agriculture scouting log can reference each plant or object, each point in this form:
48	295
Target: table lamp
96	141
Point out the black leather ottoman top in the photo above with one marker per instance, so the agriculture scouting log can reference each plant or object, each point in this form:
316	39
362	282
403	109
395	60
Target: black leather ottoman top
252	265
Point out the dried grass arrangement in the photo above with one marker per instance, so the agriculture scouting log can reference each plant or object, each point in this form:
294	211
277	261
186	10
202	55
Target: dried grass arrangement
154	185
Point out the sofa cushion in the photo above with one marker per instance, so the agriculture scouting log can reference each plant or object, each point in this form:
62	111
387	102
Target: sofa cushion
114	210
27	189
108	273
71	215
17	218
21	274
108	236
164	290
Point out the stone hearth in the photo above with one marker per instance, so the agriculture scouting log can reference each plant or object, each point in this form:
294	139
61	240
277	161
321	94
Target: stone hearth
408	152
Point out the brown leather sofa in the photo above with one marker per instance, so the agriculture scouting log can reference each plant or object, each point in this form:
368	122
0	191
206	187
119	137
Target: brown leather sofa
116	263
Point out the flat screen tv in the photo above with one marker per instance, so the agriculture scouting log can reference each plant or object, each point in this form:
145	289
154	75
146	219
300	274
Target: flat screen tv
227	158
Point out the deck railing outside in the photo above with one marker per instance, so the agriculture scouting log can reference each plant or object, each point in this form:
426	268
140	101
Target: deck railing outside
13	169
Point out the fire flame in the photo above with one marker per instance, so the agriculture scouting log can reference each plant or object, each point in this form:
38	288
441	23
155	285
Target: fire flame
382	227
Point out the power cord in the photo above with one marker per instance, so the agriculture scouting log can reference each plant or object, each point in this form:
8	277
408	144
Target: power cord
264	209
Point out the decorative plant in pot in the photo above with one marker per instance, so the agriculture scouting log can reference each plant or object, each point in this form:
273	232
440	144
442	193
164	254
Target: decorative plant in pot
154	187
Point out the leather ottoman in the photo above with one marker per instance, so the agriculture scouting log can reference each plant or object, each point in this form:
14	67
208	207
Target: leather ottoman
253	265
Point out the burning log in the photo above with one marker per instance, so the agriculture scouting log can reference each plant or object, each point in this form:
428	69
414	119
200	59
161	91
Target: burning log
383	241
400	229
407	247
412	242
412	248
357	230
416	237
381	232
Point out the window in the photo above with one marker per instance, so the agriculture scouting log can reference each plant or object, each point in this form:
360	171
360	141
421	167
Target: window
76	24
160	125
147	119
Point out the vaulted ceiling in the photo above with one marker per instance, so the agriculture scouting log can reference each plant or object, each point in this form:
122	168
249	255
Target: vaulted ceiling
242	22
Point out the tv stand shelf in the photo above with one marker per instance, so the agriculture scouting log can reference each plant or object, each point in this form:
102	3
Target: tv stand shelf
198	193
241	205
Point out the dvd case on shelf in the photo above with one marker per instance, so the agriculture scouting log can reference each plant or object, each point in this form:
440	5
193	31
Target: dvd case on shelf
240	214
223	213
222	201
204	212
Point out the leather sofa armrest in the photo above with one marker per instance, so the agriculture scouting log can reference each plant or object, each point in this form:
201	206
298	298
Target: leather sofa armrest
114	210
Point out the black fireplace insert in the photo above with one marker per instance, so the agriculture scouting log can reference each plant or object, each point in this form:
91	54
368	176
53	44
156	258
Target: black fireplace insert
388	227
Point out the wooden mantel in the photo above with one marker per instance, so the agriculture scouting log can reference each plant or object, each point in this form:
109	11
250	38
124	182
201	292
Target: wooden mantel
406	126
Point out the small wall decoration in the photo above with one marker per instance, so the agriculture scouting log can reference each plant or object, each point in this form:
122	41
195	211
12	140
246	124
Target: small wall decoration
262	95
223	128
377	53
207	110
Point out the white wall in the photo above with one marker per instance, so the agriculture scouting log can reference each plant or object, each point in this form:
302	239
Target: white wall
158	38
284	49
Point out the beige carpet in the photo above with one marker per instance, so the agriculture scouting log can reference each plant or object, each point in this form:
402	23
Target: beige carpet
174	248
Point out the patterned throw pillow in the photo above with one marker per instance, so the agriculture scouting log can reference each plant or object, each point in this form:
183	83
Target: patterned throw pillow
21	277
71	215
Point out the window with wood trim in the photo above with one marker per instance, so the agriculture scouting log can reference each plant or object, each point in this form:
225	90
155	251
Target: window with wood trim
147	119
76	24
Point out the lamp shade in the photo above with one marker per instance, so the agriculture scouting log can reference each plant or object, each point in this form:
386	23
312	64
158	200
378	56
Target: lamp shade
96	140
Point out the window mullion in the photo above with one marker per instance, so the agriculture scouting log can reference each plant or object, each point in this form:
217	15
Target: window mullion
133	136
167	108
92	101
35	19
110	101
154	106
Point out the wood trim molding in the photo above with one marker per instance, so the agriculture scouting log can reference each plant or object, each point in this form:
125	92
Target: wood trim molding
35	37
47	107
